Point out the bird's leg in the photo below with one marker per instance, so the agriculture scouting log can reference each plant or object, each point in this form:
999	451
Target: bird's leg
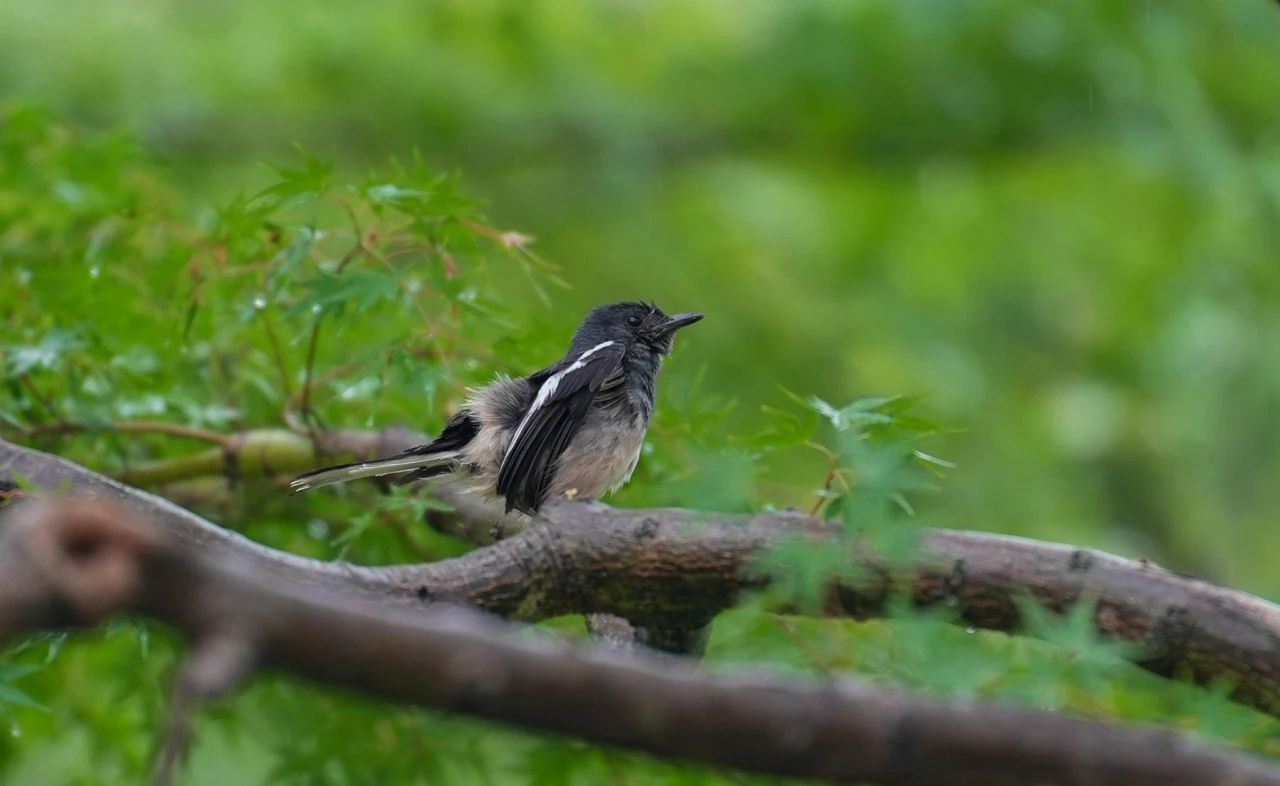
507	525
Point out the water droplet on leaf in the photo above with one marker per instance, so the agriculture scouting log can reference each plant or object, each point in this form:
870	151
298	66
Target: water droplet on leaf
318	529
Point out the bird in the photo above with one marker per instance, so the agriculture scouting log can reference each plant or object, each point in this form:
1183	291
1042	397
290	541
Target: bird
573	429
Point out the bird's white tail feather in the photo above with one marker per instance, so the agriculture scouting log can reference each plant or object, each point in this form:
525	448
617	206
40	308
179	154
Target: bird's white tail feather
370	469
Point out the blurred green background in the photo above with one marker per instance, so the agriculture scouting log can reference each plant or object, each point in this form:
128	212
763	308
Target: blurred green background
1060	220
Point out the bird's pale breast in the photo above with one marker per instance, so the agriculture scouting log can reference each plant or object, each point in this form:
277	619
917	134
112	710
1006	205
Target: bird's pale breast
601	456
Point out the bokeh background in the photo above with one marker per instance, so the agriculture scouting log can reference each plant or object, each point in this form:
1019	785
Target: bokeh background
1059	220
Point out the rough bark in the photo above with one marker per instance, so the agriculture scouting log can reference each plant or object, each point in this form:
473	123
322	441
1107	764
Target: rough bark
670	571
79	563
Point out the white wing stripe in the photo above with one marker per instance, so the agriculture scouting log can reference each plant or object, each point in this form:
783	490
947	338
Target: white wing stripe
548	389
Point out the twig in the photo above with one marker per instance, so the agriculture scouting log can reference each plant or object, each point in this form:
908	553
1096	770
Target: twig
127	427
312	343
282	367
833	473
292	404
176	743
31	387
216	665
359	247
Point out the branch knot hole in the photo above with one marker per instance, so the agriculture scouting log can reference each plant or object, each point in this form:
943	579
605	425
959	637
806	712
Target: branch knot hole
91	555
953	583
648	529
1081	561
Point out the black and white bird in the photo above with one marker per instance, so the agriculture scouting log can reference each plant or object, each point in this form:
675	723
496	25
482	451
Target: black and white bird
573	429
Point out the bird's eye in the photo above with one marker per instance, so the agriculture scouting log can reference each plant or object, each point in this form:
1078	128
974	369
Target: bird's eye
633	321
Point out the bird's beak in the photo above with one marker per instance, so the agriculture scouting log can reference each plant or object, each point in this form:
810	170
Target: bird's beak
677	321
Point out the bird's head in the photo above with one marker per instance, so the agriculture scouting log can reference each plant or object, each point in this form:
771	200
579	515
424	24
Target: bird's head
635	325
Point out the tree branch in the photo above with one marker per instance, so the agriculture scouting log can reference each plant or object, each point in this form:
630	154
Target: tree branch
59	428
672	570
79	563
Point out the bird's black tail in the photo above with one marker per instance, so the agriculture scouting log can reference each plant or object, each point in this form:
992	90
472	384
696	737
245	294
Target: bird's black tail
435	458
392	465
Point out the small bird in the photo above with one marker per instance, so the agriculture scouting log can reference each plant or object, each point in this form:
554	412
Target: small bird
573	429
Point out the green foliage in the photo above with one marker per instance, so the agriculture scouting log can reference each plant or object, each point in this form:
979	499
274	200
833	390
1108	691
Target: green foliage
1059	219
918	651
875	465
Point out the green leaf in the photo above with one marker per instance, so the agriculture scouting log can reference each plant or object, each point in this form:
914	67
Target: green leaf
359	290
47	353
801	570
784	430
289	260
296	185
10	695
15	671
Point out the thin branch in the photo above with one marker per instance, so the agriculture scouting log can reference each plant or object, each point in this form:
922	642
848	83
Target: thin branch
216	665
312	343
127	427
360	247
82	563
834	473
282	366
294	401
35	393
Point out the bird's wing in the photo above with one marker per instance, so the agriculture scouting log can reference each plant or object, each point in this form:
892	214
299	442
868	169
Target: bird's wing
555	416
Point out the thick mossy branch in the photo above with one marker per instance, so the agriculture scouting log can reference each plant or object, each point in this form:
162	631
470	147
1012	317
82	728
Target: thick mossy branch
80	563
670	570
